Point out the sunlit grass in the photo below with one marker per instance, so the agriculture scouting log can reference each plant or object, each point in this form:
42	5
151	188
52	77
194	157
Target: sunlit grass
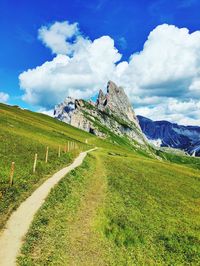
150	215
22	135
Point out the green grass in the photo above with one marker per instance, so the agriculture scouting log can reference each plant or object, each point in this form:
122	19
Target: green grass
22	134
193	162
153	212
121	207
67	226
148	214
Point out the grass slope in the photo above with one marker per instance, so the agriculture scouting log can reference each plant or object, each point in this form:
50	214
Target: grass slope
121	207
22	134
117	209
70	226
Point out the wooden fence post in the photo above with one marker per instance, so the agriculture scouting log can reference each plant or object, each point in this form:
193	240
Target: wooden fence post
68	146
65	148
35	163
47	154
12	173
59	151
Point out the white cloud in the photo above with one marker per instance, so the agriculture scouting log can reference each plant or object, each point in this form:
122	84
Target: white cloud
80	75
173	110
4	97
46	112
168	65
57	35
161	80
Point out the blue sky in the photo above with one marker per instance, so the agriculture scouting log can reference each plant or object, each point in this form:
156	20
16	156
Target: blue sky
128	23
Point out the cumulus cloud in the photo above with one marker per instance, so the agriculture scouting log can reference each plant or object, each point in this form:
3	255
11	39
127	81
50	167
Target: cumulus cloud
56	36
4	97
79	75
165	74
173	110
168	65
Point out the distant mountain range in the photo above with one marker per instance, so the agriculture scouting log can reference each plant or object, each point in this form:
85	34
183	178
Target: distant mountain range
166	134
113	113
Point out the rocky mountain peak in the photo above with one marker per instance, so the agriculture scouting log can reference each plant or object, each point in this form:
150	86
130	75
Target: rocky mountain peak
117	102
112	112
101	100
112	87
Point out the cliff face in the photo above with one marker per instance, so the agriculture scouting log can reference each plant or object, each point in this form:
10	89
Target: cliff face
117	102
111	113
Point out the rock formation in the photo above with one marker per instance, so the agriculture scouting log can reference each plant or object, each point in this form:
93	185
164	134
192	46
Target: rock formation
116	101
112	113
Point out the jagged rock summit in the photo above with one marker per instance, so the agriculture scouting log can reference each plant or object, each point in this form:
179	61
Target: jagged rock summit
112	113
116	101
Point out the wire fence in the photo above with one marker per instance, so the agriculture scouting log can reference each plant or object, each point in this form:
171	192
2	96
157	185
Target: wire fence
66	148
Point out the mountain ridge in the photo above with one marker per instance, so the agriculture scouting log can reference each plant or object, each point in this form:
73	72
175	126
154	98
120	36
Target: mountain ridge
173	135
111	114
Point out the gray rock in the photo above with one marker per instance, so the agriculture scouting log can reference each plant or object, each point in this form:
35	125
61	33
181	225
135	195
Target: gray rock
112	111
63	111
116	102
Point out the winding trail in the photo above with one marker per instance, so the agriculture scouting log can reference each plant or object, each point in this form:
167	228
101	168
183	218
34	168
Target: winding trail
11	239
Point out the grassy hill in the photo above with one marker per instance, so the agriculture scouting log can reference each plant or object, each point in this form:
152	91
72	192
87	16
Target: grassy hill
121	207
22	135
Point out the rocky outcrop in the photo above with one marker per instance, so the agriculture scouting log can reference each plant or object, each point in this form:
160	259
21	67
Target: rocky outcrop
64	111
112	113
117	102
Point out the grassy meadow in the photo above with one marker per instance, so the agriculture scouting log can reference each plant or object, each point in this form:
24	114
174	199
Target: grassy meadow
119	210
120	207
22	135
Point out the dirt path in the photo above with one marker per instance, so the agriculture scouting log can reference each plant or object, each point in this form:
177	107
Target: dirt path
18	224
85	246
